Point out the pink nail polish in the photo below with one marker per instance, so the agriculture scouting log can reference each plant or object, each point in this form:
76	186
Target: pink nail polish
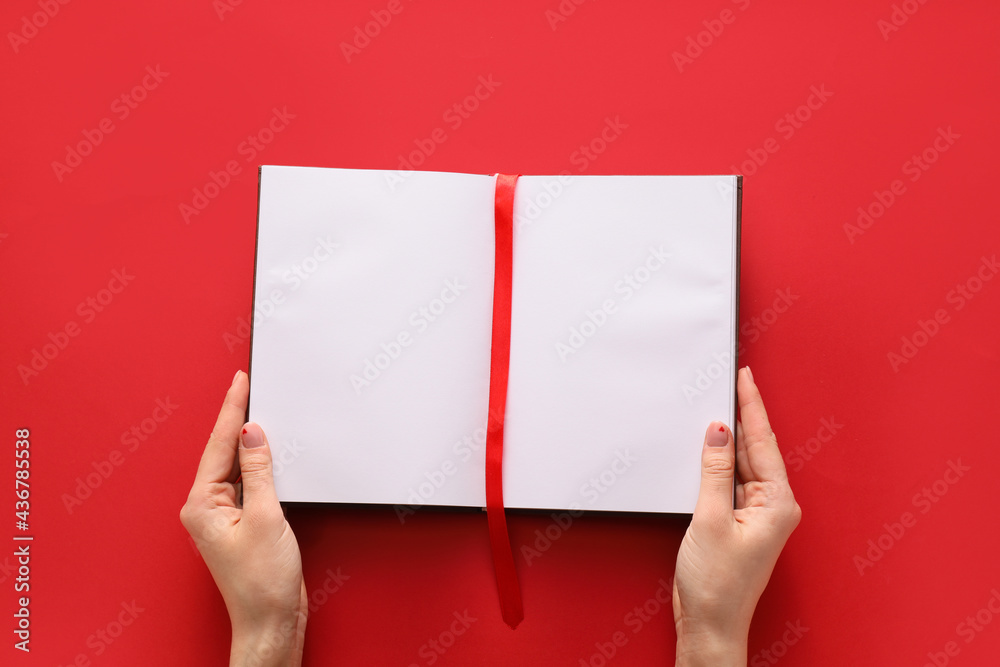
717	437
253	437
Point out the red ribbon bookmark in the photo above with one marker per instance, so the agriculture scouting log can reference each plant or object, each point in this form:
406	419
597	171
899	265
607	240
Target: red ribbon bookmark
503	556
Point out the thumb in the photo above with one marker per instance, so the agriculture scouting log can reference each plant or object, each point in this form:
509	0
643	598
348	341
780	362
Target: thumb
255	468
718	463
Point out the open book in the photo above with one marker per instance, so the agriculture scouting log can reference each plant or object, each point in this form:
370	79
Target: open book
370	353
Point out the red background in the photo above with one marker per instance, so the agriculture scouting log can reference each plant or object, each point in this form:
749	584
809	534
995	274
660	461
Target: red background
827	357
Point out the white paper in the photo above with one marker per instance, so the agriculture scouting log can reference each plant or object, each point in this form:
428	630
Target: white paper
352	262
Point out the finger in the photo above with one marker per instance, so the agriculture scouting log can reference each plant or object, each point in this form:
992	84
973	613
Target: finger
718	462
743	467
763	455
218	460
259	497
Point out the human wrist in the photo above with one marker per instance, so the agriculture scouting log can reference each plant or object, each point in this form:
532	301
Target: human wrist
273	642
711	648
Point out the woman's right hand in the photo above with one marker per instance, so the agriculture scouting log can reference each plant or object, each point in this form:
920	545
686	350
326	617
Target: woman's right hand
727	555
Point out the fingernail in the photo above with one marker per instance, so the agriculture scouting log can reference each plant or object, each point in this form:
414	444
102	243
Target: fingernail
235	377
253	436
749	373
717	436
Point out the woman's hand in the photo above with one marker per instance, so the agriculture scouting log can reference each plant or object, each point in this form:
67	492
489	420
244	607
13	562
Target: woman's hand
246	542
727	555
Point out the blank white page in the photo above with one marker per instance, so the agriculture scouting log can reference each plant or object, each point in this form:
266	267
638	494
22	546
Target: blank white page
370	356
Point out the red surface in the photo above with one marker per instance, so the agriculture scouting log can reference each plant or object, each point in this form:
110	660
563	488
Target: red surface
173	332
